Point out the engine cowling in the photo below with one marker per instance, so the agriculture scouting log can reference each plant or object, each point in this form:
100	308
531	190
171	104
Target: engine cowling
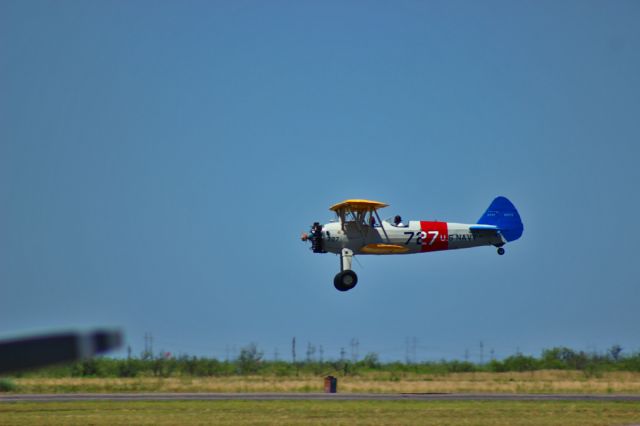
315	236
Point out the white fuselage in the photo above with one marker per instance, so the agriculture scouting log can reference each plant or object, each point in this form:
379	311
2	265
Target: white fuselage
416	237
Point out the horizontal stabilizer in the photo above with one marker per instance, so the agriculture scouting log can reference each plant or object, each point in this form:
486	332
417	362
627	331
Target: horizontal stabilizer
486	231
480	227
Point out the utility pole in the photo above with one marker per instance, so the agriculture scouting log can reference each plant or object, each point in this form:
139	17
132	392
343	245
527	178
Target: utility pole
293	349
148	345
481	352
354	350
410	350
414	347
407	360
311	350
357	349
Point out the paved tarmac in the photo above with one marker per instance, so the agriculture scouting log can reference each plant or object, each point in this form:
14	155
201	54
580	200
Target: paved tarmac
69	397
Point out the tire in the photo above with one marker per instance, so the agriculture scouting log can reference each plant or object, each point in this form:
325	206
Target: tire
500	251
345	280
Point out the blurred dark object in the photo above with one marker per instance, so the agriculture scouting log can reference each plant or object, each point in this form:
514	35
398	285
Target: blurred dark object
42	350
330	384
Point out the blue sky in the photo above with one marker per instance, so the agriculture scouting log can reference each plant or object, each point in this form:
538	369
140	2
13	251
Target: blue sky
159	160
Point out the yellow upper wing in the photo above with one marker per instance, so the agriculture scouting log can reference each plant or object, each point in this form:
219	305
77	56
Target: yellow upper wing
358	205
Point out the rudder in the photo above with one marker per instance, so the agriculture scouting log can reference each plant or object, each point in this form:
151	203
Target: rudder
503	214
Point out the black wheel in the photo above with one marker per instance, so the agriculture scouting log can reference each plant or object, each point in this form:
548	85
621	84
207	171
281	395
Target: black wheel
345	280
500	251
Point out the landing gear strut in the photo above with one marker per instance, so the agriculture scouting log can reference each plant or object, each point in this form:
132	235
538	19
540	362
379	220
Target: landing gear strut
346	279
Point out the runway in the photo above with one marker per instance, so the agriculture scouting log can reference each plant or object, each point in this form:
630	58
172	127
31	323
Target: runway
71	397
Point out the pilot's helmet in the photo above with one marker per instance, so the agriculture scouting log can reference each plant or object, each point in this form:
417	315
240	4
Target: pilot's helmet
397	219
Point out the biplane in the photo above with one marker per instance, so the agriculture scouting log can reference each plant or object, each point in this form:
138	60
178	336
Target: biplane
358	229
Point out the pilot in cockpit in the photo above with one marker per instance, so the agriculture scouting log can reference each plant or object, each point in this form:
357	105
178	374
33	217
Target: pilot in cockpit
397	221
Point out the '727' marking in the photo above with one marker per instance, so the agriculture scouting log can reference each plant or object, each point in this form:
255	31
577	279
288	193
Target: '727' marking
422	236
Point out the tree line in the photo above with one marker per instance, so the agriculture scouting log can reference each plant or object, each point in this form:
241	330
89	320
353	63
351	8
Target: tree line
251	361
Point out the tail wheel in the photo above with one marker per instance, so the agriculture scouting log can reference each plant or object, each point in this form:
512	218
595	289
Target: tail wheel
500	251
345	280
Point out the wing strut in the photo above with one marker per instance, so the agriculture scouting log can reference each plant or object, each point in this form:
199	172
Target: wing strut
381	225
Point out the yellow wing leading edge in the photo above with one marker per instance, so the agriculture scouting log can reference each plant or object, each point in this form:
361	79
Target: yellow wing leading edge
384	249
358	205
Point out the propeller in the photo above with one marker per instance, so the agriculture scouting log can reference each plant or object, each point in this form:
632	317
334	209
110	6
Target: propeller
315	237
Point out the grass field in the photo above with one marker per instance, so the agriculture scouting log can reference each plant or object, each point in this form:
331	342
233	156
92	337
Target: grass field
321	413
549	381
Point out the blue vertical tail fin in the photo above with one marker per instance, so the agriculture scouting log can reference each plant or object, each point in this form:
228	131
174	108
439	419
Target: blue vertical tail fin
503	214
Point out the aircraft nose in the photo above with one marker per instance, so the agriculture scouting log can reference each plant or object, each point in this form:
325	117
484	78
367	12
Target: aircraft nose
304	236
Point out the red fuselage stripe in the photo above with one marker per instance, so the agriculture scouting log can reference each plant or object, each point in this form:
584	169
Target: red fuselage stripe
435	236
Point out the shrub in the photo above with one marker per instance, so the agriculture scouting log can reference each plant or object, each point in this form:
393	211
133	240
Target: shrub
371	361
249	359
461	367
520	362
7	385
